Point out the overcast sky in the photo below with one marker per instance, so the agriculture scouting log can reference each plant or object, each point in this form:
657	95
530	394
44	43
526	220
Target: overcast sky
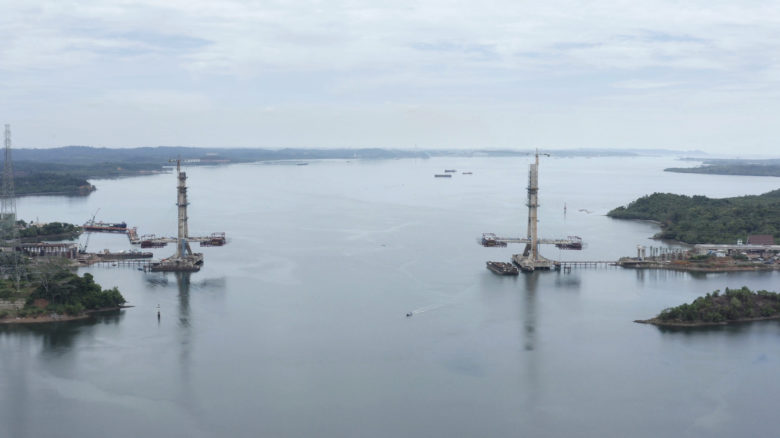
432	74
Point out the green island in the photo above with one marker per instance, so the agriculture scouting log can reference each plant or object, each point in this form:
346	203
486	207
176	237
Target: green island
734	305
699	219
48	291
733	167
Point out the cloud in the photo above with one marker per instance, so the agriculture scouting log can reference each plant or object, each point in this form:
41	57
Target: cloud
561	55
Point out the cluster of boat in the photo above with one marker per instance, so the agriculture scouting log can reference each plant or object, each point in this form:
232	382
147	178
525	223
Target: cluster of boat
448	173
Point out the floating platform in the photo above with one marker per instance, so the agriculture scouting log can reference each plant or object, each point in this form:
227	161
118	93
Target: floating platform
528	264
190	263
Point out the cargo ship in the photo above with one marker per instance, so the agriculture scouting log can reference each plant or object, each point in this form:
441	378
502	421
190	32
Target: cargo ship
502	268
442	175
117	227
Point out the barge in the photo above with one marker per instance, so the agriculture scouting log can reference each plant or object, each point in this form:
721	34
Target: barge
502	268
188	263
117	227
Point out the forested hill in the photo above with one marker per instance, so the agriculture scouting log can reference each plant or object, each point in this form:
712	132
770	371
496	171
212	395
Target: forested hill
699	219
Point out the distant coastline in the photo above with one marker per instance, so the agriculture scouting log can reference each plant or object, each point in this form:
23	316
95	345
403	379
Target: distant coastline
769	167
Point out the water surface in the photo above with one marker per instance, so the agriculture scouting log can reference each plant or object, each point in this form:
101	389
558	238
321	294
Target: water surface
297	327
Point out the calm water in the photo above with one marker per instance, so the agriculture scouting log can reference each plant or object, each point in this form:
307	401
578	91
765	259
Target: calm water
296	328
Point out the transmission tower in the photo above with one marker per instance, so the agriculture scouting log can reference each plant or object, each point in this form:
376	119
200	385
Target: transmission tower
10	234
8	208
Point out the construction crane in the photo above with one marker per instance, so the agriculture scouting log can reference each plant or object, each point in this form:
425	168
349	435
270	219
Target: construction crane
530	259
83	249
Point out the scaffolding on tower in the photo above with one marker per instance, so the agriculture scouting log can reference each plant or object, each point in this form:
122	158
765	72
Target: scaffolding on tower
184	260
530	259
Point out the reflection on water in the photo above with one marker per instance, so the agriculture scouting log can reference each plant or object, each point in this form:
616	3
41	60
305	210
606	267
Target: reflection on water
183	283
54	343
529	317
58	337
567	280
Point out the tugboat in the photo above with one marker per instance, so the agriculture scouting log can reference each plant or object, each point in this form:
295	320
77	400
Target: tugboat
575	242
489	239
502	268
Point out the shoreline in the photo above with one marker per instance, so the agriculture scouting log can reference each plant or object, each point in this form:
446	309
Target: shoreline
694	268
56	317
679	324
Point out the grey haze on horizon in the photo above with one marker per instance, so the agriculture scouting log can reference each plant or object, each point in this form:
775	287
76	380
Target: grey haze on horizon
429	74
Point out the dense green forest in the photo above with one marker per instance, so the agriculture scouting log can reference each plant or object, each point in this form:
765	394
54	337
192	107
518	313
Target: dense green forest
699	219
39	183
733	305
50	229
734	167
50	287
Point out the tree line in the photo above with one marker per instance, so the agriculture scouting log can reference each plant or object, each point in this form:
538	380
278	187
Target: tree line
699	219
732	305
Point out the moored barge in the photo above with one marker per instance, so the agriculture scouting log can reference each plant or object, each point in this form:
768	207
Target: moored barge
118	227
502	268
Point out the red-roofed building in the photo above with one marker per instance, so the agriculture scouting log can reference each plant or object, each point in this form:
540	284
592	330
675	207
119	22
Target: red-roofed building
761	239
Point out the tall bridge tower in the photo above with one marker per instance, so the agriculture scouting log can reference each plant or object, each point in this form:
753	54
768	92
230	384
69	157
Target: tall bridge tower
530	259
182	245
532	247
184	260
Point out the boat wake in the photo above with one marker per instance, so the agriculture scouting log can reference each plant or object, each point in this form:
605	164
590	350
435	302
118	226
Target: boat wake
428	308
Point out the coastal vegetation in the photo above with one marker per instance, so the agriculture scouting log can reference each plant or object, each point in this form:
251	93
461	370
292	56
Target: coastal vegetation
51	230
42	183
699	219
49	287
734	305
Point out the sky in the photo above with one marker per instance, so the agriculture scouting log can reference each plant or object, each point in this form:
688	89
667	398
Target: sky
685	75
